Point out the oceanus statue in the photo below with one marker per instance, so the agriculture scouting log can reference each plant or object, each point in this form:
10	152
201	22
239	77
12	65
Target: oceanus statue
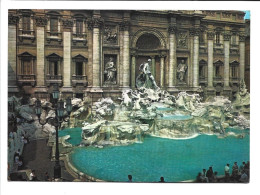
145	79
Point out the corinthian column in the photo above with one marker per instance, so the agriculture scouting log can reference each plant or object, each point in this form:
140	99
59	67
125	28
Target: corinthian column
162	70
226	59
173	59
67	66
133	72
242	56
210	59
126	65
196	59
40	70
96	23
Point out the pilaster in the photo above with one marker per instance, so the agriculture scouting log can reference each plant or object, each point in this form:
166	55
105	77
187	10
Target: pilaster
242	56
210	59
226	37
133	71
124	26
162	70
96	23
172	55
40	22
12	60
67	65
196	58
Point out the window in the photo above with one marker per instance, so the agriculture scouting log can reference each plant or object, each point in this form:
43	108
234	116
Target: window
79	64
233	72
26	67
79	68
218	15
26	23
202	40
26	64
53	68
234	66
233	40
217	72
54	25
202	68
79	27
218	69
54	64
218	38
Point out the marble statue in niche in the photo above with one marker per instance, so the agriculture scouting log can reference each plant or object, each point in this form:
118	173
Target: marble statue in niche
145	78
181	70
109	35
110	72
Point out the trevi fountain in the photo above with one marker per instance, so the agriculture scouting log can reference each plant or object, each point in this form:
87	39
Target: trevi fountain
146	133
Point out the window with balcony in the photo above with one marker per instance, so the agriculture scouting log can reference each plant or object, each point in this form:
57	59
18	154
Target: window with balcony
234	70
79	70
53	67
218	69
54	71
26	69
26	31
79	31
53	28
202	69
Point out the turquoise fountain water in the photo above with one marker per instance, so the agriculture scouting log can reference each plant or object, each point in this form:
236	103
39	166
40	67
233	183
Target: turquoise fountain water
175	160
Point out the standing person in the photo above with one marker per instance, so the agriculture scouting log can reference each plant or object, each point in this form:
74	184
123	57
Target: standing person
204	177
242	167
227	174
46	176
32	176
209	174
129	178
235	171
162	180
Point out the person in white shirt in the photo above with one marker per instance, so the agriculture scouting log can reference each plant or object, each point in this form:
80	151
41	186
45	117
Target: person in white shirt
32	176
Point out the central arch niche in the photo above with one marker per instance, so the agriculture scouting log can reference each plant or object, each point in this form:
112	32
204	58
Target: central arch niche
148	41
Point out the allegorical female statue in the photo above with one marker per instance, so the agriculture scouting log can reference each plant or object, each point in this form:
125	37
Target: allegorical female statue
110	72
182	67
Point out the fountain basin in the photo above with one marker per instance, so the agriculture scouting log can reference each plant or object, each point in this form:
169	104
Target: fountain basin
175	160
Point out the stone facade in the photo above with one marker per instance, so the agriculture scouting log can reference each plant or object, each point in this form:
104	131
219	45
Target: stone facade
72	47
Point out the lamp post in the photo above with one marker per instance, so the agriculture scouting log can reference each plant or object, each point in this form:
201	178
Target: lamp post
56	121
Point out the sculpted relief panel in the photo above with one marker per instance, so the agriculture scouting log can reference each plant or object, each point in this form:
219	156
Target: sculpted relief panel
110	35
182	40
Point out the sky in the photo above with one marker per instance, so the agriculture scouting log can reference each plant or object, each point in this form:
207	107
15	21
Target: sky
247	16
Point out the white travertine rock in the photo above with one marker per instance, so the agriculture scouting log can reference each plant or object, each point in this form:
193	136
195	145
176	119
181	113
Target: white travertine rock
76	102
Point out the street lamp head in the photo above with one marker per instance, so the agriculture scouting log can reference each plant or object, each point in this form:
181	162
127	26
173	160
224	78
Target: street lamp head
60	109
68	105
38	108
55	92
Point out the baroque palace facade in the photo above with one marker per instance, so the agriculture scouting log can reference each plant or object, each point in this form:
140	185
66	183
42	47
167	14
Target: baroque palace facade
97	53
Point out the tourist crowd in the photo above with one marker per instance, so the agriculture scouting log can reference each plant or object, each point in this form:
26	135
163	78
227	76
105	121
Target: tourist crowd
238	174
